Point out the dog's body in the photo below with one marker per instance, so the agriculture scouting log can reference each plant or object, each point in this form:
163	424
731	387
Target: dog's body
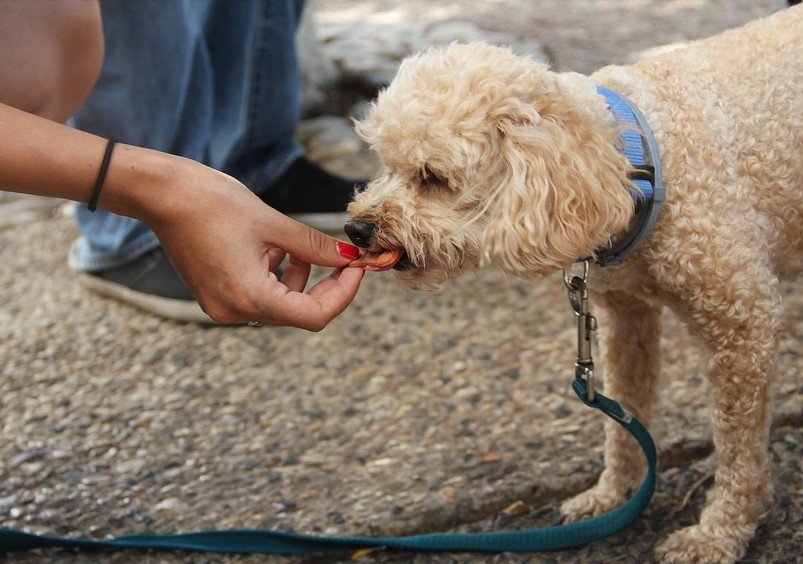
490	158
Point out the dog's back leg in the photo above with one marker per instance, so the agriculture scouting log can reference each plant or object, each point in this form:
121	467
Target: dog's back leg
630	370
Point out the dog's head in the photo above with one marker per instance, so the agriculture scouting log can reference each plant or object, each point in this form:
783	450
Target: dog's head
487	158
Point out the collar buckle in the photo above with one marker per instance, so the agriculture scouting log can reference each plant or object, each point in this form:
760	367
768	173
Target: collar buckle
577	287
642	172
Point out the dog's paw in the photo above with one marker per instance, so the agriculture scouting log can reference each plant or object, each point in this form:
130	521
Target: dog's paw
591	503
693	545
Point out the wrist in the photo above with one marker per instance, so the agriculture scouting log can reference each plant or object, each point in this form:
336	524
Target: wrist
140	183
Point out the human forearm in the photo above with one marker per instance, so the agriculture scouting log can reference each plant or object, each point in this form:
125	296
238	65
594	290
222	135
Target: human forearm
38	156
224	242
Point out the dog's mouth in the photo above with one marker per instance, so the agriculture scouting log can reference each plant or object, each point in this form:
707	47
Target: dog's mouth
403	263
382	259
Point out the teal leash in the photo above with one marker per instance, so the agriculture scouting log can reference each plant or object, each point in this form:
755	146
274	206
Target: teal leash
239	541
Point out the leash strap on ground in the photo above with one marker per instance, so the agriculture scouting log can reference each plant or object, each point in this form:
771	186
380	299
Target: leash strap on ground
274	542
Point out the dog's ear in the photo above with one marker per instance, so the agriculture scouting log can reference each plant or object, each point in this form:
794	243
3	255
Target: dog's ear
561	193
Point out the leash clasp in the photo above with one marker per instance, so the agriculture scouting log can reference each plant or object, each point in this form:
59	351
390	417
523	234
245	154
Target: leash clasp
577	287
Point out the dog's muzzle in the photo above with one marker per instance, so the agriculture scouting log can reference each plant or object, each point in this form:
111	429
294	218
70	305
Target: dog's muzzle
359	231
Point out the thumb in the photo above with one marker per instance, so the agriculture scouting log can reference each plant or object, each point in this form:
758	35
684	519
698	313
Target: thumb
312	246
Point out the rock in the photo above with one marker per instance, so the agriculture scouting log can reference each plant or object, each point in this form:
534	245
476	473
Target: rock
318	72
7	502
449	31
517	509
171	504
31	468
24	457
360	109
132	466
333	144
310	128
358	166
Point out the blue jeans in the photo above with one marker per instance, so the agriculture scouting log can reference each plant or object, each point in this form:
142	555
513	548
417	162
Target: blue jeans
213	80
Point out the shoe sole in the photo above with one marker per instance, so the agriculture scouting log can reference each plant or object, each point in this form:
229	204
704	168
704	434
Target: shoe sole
329	222
177	310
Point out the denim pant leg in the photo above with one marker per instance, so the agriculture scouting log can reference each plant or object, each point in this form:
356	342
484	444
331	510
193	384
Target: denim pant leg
212	80
257	86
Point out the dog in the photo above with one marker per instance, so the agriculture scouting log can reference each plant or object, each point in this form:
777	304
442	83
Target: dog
491	159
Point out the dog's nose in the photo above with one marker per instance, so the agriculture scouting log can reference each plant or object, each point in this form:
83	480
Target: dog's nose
359	231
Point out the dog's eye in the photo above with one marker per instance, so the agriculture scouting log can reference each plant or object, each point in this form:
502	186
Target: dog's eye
428	178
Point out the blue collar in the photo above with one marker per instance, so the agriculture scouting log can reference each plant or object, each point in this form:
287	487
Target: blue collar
638	144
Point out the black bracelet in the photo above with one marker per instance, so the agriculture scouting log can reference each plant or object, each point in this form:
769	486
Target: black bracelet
104	166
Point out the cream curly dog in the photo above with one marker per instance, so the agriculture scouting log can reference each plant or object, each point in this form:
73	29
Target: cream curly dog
491	159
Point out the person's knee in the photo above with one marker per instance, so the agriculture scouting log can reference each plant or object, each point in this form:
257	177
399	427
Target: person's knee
53	54
79	57
82	53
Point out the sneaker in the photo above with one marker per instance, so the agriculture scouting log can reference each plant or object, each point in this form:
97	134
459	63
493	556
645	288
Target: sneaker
151	283
309	194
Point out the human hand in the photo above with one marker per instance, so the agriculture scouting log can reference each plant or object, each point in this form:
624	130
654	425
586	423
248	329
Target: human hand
226	245
224	242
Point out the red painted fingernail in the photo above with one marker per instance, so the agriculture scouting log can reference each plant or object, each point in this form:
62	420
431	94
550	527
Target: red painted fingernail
347	250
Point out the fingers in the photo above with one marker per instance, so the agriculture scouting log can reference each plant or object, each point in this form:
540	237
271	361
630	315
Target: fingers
283	302
314	310
296	274
341	280
310	245
275	258
336	292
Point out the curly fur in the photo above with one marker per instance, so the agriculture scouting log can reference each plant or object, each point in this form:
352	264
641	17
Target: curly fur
490	158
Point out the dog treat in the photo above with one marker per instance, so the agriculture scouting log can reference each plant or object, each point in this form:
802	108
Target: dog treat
379	261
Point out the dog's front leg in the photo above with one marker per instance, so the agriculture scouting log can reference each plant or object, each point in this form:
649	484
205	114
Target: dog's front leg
739	314
631	365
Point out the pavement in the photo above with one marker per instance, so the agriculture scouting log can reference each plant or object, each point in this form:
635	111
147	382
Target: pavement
412	412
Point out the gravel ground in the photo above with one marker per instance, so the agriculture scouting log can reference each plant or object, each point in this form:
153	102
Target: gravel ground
411	412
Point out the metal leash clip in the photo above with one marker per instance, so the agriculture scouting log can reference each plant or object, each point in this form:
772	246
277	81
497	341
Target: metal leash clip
586	324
